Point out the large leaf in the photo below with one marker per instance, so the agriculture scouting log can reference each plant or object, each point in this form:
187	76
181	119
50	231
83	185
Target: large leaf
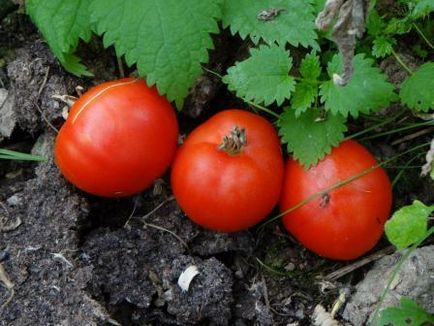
417	91
308	136
63	23
264	77
367	90
168	40
293	24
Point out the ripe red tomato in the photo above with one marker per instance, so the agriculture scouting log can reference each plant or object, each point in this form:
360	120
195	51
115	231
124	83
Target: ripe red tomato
228	173
119	137
346	222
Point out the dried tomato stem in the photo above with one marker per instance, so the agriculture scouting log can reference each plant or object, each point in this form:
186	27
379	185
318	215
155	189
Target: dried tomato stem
234	143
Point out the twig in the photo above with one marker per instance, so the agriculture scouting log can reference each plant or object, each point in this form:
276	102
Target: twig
44	82
45	118
144	217
413	136
145	224
333	276
4	278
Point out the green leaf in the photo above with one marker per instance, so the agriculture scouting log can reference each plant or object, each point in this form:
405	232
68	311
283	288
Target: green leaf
264	77
417	91
294	25
408	313
310	67
304	96
6	154
63	23
422	8
383	46
367	91
168	40
309	138
375	24
408	225
398	26
307	90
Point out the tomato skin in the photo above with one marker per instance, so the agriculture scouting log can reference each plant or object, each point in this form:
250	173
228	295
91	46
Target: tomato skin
119	137
349	221
224	192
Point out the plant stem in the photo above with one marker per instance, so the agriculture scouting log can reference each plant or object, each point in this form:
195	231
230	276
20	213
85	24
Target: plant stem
402	63
395	272
263	108
415	125
382	123
212	72
340	184
419	31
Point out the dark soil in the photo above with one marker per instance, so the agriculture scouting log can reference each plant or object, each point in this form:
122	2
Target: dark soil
74	259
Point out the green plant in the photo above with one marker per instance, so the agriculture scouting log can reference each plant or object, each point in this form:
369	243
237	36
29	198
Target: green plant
6	154
406	230
169	40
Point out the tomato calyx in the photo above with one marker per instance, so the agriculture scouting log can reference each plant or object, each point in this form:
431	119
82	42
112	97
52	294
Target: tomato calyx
234	142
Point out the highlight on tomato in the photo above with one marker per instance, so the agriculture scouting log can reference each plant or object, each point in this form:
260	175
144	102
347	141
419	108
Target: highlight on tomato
227	175
119	137
346	222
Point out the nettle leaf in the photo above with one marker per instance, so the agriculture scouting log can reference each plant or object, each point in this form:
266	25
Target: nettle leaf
408	225
367	91
383	46
304	96
294	23
375	24
417	91
306	91
421	8
264	77
168	40
310	67
308	137
63	23
408	313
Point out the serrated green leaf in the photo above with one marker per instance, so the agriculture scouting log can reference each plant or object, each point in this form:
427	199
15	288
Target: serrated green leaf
310	67
383	46
308	138
408	313
422	8
167	40
304	96
264	77
398	26
375	24
417	91
294	25
367	91
306	91
63	23
408	225
72	64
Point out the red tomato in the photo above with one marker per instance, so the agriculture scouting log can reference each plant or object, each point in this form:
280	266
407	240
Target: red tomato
346	222
119	137
231	187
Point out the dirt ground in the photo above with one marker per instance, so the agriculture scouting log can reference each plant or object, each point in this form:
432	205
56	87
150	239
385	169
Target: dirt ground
74	259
